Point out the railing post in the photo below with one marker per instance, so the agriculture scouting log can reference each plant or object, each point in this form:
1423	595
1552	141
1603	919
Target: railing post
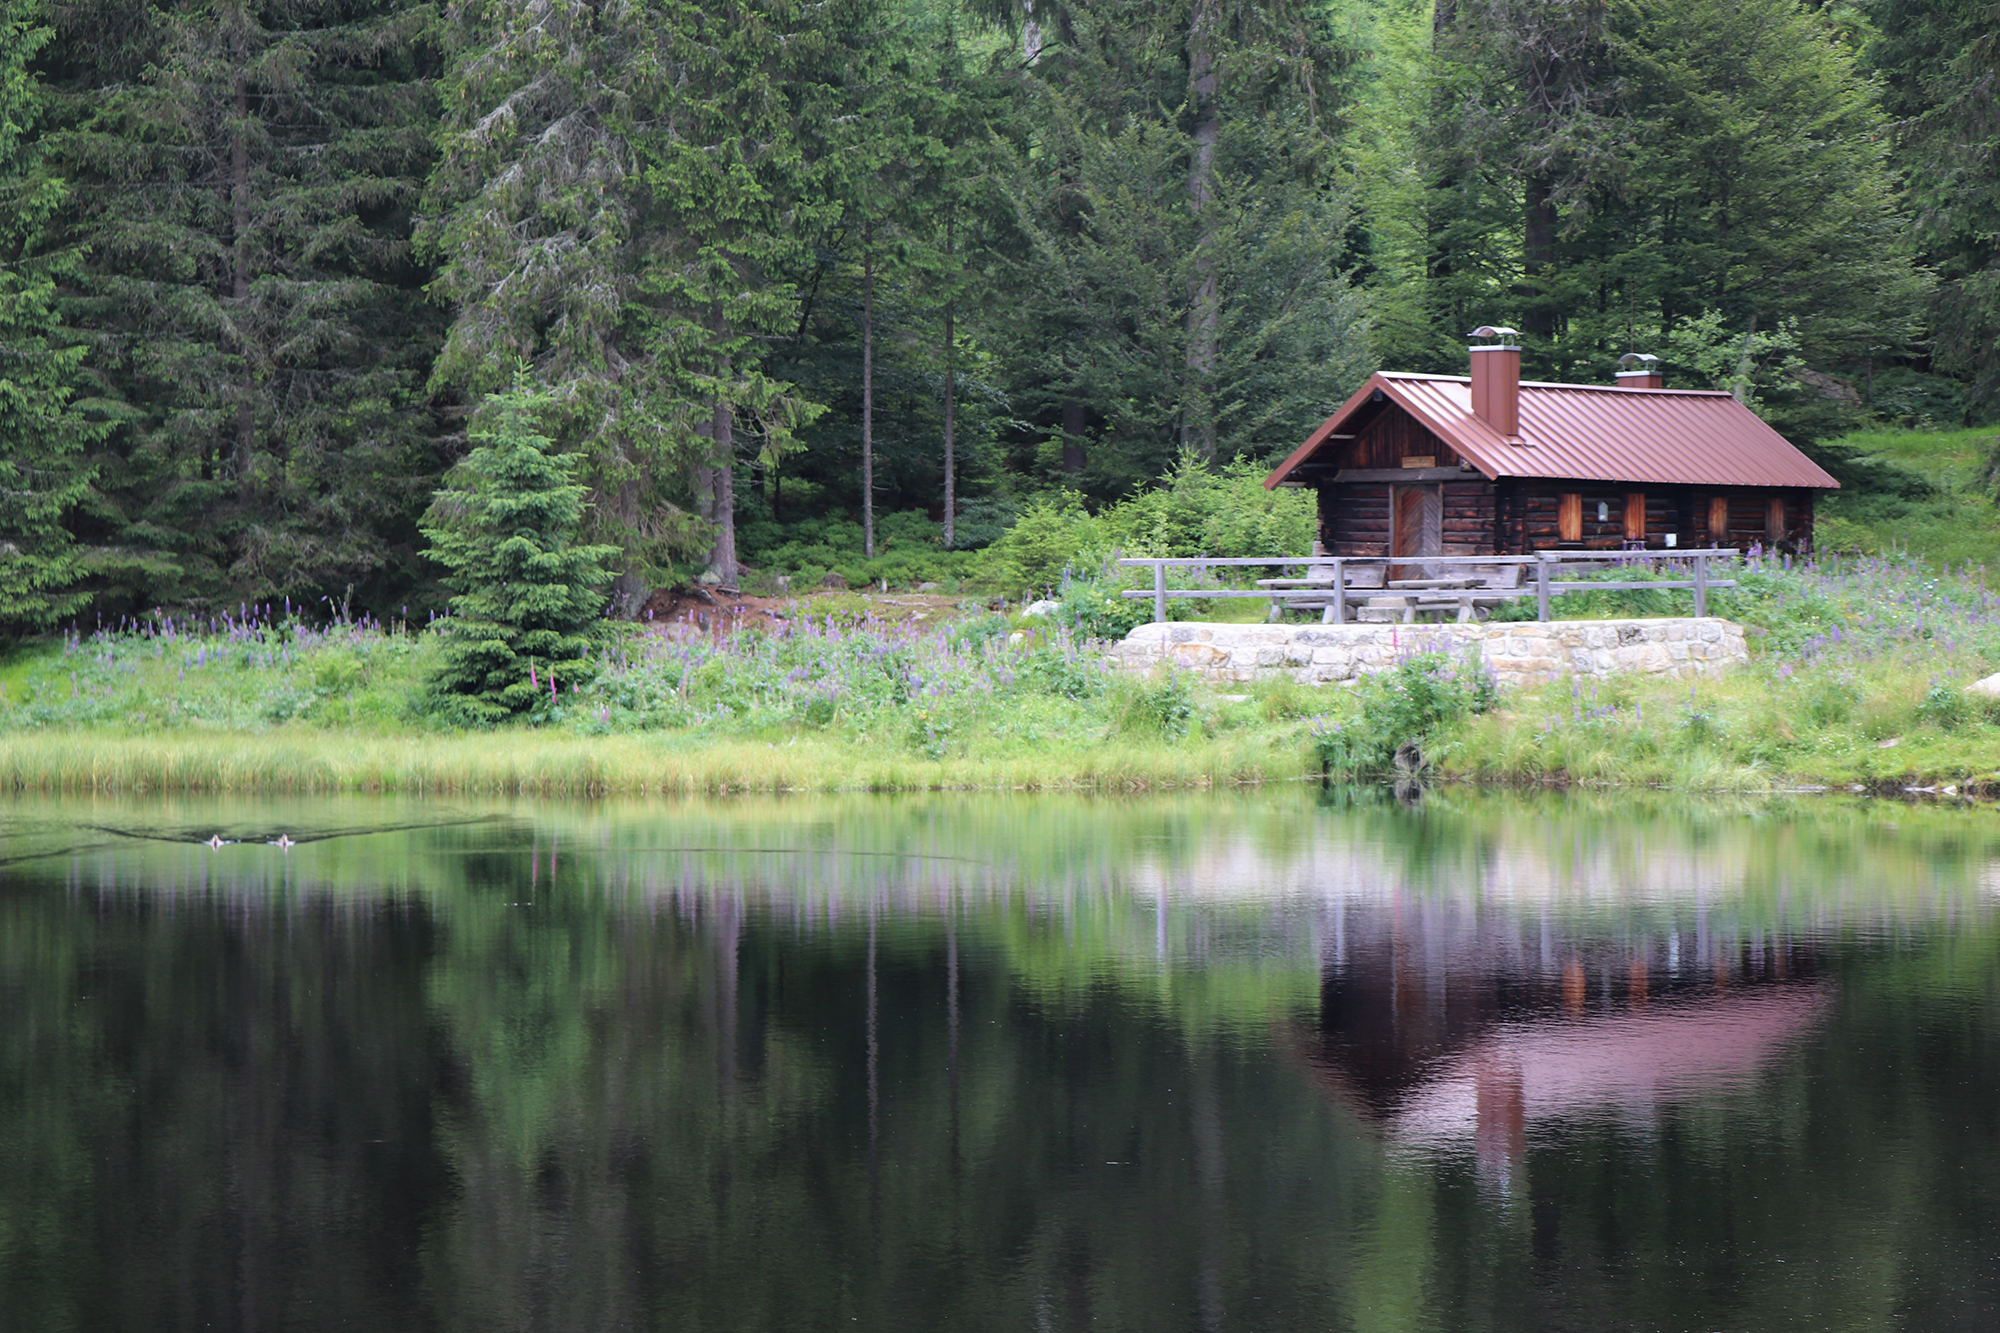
1339	607
1159	592
1541	585
1700	586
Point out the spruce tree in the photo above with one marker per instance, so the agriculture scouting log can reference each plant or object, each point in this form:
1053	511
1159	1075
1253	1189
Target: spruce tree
626	200
1940	64
527	596
242	180
43	474
1601	177
1175	279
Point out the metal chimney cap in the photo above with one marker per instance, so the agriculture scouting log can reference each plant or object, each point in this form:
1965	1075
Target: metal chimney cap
1636	358
1500	331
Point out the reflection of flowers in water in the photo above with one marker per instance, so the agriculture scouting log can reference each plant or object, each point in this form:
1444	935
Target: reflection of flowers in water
1567	1067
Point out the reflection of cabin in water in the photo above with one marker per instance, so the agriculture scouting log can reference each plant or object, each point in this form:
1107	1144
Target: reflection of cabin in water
1443	1029
1416	465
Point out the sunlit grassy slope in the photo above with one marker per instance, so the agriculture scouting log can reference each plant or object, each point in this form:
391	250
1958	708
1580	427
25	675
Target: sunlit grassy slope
1927	495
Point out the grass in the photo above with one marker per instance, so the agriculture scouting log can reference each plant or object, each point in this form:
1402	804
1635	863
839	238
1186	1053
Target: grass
836	702
1858	679
1925	493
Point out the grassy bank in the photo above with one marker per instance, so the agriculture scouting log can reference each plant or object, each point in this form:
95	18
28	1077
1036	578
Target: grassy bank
1857	678
834	701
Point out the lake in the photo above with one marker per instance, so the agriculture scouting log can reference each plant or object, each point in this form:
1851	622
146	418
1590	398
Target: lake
1292	1060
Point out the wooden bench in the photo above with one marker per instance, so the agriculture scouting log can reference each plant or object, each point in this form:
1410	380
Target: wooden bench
1316	590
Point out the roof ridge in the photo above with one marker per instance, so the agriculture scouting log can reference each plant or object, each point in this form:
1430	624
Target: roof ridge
1555	384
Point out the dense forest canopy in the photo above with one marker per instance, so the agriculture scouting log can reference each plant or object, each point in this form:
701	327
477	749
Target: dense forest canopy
888	273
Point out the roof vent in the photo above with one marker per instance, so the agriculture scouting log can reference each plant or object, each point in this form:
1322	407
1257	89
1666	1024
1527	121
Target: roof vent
1639	370
1496	379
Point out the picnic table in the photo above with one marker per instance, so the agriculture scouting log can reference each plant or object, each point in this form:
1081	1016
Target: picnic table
1465	594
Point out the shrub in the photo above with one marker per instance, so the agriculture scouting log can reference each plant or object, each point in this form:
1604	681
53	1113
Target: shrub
1097	611
1158	705
1066	674
1421	696
1945	706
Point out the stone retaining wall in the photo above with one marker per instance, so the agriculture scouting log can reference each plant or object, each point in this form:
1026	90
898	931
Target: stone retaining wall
1520	653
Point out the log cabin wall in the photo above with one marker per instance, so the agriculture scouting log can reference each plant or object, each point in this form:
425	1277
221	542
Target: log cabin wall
1355	518
1528	516
1469	517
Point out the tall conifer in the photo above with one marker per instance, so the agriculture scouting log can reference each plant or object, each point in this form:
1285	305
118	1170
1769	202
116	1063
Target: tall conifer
242	175
42	433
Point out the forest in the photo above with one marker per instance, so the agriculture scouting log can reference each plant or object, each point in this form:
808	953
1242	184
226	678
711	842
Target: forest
791	282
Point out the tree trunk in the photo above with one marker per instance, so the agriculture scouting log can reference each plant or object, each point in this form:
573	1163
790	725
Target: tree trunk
1073	424
1031	34
239	222
868	389
1538	255
628	590
1197	411
950	405
722	495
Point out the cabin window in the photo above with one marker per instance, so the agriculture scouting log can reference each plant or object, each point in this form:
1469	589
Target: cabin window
1635	516
1718	520
1569	517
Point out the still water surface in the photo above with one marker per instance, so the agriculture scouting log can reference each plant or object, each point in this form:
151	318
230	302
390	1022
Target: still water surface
1282	1062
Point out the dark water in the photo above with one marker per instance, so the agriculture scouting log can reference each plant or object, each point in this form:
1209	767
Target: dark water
1268	1063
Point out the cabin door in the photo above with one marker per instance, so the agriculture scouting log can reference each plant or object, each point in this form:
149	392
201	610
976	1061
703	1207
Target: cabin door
1416	527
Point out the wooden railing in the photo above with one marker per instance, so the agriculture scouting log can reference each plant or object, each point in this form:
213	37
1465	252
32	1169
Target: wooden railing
1335	591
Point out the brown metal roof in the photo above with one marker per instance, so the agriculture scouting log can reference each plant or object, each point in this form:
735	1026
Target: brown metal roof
1592	432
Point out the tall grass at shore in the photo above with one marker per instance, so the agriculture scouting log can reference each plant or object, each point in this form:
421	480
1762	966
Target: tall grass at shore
261	702
1858	678
558	764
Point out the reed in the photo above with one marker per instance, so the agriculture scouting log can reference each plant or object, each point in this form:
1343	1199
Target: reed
545	764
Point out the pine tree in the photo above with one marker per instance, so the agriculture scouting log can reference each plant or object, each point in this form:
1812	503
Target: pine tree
1940	62
242	175
1176	270
1602	176
527	596
624	198
42	432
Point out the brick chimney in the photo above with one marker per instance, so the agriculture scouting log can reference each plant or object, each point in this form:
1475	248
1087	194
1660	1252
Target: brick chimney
1639	370
1496	379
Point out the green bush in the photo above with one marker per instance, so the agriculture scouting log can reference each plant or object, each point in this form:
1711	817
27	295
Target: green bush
1095	608
1161	704
1945	706
1415	701
1196	510
1069	675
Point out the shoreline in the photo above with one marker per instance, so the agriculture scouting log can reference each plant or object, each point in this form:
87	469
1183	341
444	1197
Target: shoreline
557	765
560	765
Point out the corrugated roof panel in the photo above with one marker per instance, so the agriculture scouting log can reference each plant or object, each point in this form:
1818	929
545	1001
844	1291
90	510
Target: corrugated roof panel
1603	433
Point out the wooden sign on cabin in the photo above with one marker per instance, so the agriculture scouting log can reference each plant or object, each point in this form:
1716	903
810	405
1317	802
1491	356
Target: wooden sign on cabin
1417	465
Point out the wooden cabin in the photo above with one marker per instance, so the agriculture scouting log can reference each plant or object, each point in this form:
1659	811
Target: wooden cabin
1416	465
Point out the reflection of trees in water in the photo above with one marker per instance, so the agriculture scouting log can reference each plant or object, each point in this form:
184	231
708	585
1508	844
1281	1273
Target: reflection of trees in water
648	1096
